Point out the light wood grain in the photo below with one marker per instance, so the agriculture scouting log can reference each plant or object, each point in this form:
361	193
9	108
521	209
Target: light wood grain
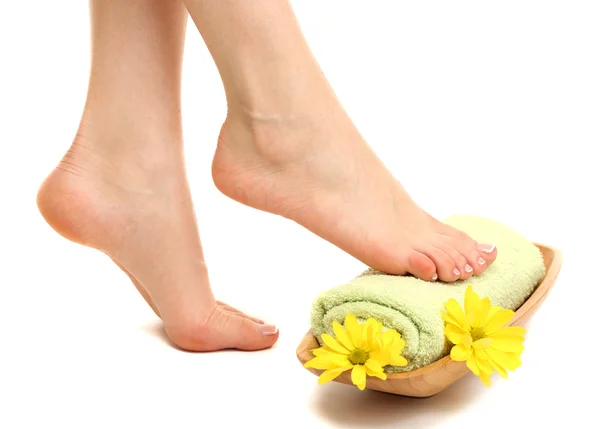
437	376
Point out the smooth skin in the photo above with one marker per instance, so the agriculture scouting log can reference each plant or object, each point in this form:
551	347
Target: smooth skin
286	147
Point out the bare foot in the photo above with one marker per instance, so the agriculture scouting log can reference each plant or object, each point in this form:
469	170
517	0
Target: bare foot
139	212
287	147
316	170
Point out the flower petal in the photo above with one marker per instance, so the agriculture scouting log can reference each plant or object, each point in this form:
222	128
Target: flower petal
471	319
502	359
318	363
342	336
359	376
508	346
389	348
397	345
514	330
387	337
329	360
372	330
472	365
381	376
482	344
333	344
498	320
373	366
454	333
321	362
467	340
380	355
375	369
493	310
482	313
398	360
460	353
455	313
355	330
498	368
482	363
322	350
485	379
331	374
515	358
331	355
319	352
472	302
513	333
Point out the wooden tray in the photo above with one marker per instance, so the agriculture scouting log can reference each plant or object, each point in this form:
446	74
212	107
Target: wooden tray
437	376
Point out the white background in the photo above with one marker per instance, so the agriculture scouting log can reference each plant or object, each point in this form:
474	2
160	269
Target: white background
490	108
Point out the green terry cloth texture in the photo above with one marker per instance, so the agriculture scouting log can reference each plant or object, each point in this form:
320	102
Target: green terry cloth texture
413	306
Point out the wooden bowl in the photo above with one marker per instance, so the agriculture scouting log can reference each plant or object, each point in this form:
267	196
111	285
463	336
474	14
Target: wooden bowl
435	377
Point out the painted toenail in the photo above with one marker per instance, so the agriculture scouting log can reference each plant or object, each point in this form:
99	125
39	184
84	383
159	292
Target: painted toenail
468	268
486	248
481	261
268	329
456	272
434	278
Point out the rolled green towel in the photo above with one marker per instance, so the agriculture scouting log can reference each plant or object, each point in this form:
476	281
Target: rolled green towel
413	306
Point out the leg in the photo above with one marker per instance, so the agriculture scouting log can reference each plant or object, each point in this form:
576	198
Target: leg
288	147
122	188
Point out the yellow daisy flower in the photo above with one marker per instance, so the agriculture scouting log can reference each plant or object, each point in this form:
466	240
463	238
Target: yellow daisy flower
362	348
481	338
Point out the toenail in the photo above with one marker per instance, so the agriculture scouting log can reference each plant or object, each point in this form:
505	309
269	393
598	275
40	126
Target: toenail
268	329
434	278
456	272
468	268
481	261
486	248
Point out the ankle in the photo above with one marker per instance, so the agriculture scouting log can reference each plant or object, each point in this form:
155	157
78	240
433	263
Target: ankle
287	134
272	139
119	148
133	120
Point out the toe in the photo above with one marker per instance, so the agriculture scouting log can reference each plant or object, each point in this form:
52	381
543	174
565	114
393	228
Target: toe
248	335
422	267
463	269
488	252
472	257
222	330
231	330
444	264
485	251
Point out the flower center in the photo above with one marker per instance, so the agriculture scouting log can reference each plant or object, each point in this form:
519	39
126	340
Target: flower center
358	357
477	334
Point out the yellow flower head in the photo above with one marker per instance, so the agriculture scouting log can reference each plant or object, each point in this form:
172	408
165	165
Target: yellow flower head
362	348
480	337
